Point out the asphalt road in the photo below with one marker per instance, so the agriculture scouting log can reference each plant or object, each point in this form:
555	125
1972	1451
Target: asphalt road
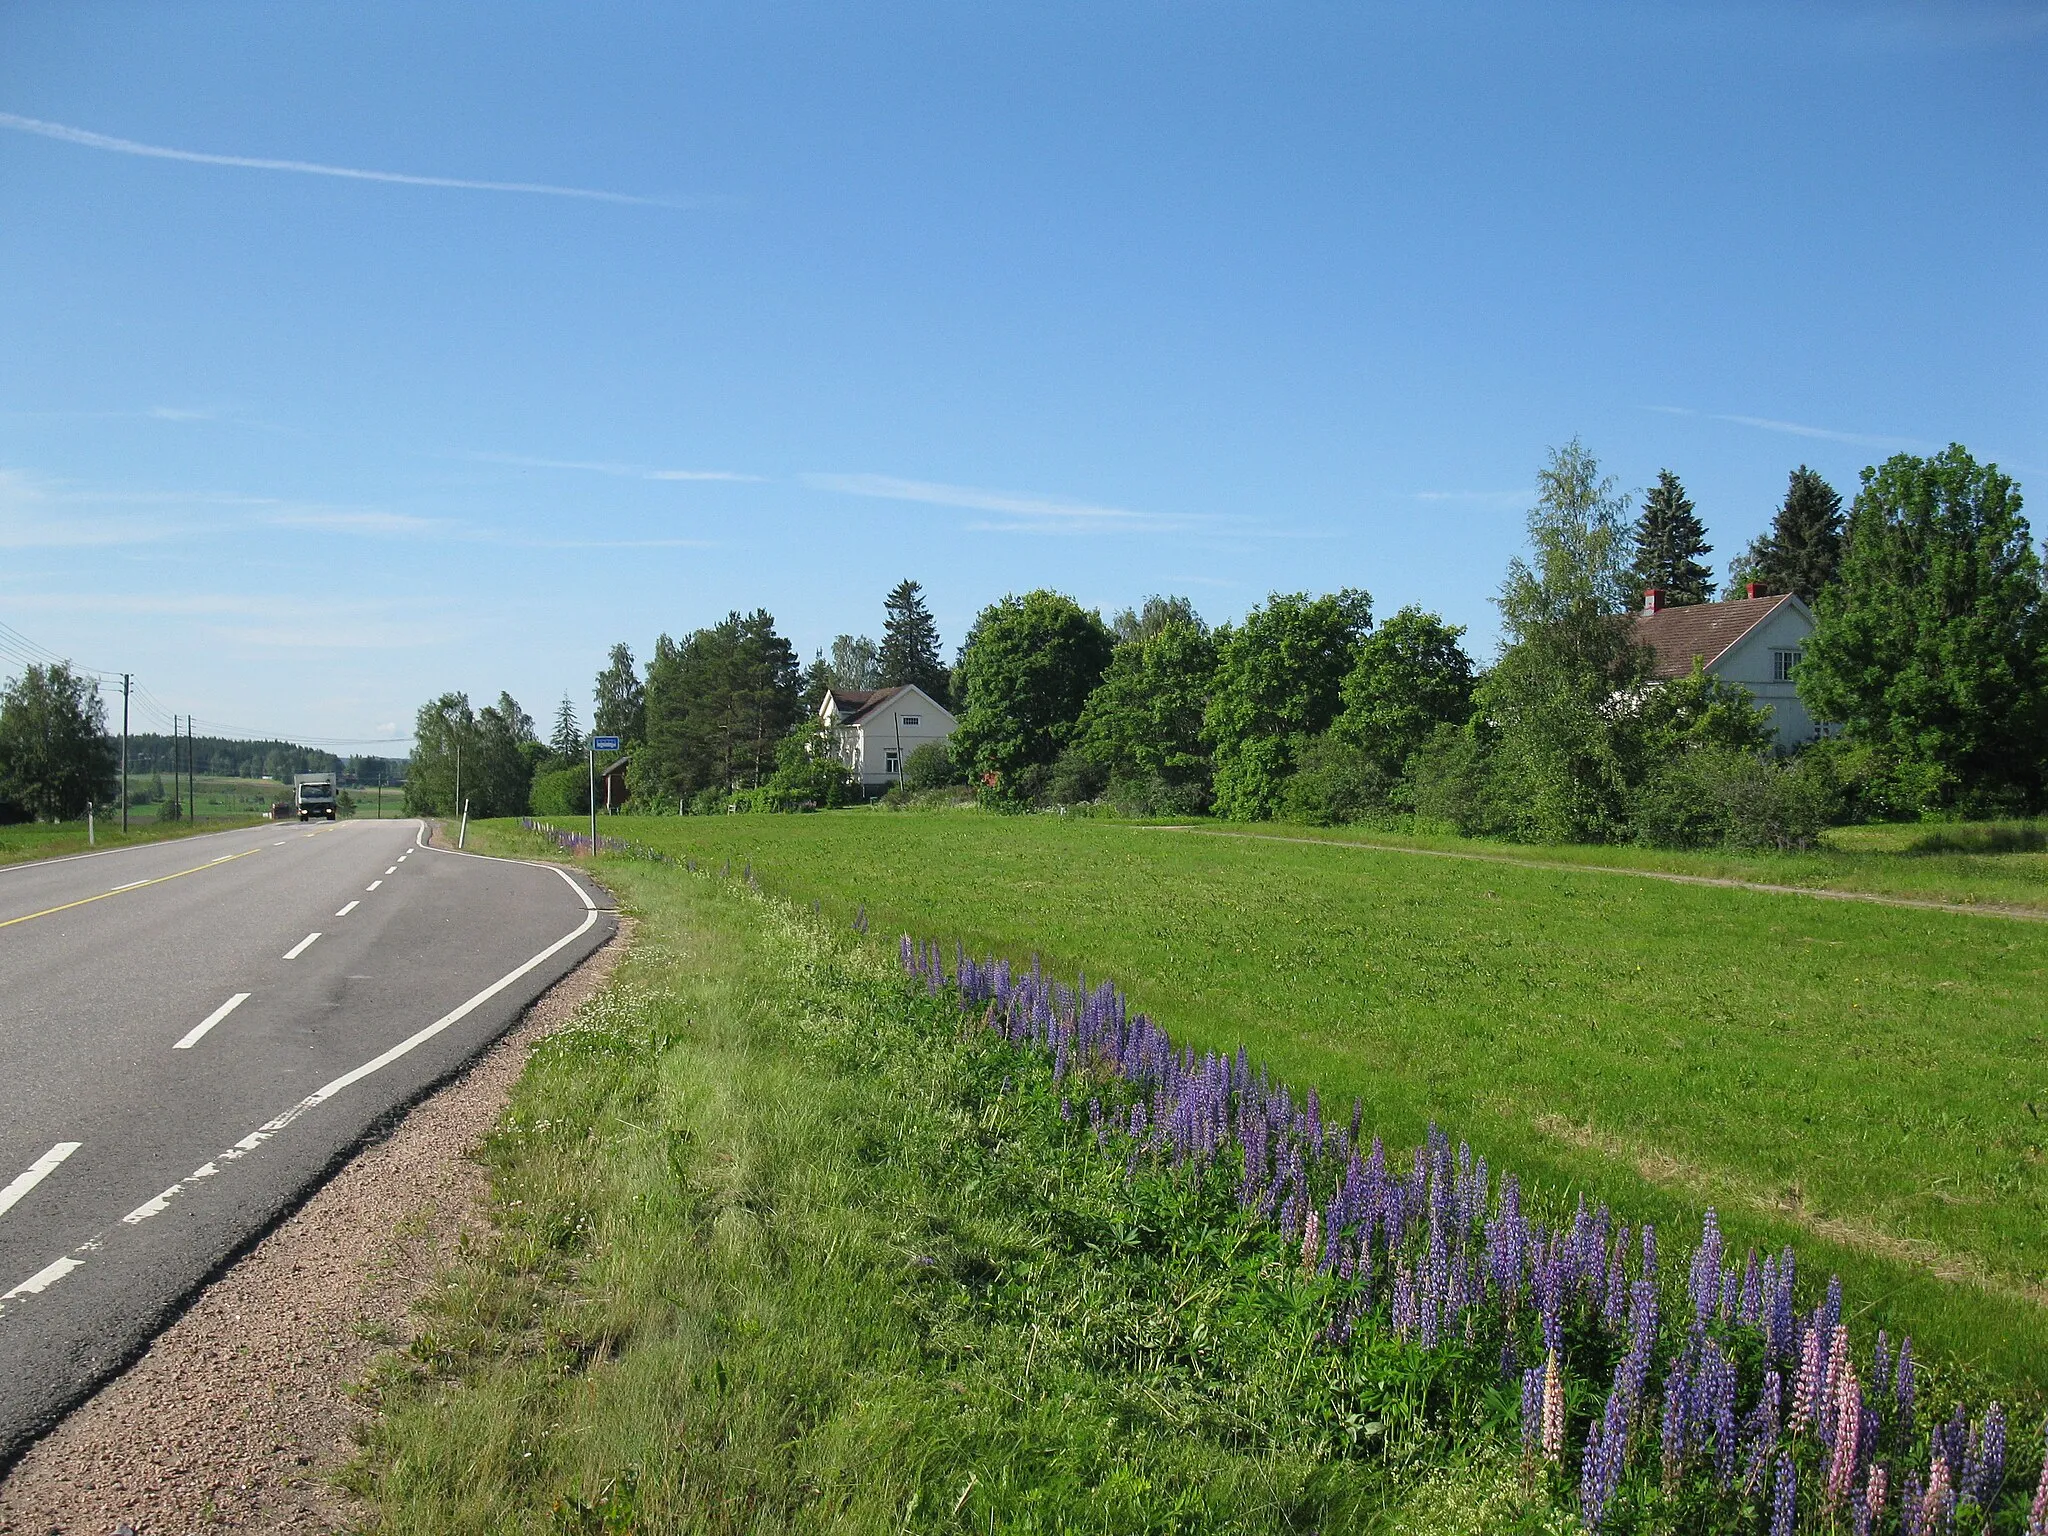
146	1135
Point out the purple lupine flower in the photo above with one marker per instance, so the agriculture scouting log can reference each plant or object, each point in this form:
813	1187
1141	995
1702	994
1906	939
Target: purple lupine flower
1677	1422
1989	1471
1649	1252
1703	1285
1912	1507
1784	1497
2037	1513
1719	1411
1532	1416
1902	1388
1848	1417
1600	1474
1870	1508
1752	1292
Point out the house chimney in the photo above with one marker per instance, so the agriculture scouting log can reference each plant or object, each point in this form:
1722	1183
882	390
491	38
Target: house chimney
1653	599
1754	589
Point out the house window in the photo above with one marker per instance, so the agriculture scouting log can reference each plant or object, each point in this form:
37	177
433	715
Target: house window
891	760
1783	664
910	719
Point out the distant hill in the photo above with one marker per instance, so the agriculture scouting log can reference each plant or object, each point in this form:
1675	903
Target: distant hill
231	757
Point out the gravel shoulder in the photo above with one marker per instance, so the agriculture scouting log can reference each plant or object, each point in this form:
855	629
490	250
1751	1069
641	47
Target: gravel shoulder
240	1413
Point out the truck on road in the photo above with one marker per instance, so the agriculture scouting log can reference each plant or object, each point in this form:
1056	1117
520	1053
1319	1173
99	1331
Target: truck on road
314	793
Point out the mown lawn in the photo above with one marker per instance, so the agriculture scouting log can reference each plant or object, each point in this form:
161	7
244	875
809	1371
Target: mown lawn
1862	1081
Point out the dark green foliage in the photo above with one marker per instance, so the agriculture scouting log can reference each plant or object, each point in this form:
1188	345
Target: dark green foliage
1411	676
1334	781
1719	798
1668	541
716	707
910	645
1803	549
1279	678
931	766
439	729
55	756
1930	643
1027	670
621	698
1145	721
1075	778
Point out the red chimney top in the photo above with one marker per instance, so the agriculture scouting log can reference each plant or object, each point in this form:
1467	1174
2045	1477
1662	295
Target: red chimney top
1653	599
1754	589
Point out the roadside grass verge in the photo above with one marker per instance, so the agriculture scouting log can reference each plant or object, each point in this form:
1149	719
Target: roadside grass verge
780	1245
1864	1083
54	839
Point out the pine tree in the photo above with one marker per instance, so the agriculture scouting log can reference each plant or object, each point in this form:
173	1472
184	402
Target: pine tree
1669	539
568	738
1803	550
910	643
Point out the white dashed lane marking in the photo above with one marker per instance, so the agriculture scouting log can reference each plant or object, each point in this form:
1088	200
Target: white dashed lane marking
373	885
301	947
42	1169
199	1030
344	912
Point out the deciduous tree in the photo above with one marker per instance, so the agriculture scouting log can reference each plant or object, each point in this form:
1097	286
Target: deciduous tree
1930	640
1027	670
1411	676
1279	675
1145	720
55	756
621	698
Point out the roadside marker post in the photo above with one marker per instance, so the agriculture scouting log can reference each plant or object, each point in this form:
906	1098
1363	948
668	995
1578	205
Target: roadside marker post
597	744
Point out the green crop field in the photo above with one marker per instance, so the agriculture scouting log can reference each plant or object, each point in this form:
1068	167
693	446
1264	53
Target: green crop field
1863	1081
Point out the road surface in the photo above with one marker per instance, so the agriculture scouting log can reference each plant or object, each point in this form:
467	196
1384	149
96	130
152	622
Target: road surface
192	1034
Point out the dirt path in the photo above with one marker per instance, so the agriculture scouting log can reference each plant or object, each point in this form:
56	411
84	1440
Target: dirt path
239	1414
1968	909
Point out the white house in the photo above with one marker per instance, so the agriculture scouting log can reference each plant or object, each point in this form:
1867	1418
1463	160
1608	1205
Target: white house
1754	641
878	729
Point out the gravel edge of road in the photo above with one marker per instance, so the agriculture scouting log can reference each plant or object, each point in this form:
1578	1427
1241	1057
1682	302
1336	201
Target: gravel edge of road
240	1412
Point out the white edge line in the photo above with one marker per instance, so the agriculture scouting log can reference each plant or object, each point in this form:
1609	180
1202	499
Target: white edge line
199	1030
43	1167
301	947
318	1096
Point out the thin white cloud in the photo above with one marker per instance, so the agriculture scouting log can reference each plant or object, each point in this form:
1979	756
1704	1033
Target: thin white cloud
1027	513
371	524
91	140
619	471
1794	428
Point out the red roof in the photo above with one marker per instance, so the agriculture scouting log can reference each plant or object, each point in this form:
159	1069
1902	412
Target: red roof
1707	631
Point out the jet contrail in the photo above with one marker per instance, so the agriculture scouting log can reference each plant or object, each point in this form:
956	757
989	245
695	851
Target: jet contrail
310	168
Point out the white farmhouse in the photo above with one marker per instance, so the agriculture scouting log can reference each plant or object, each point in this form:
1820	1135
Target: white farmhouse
878	729
1755	641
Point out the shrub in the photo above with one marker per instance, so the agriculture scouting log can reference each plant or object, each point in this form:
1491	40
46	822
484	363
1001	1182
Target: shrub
1075	779
562	792
1153	795
1741	800
1333	782
1446	782
931	766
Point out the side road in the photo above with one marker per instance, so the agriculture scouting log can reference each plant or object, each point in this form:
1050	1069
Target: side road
239	1415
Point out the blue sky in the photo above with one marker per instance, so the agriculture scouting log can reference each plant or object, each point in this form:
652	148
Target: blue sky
1216	299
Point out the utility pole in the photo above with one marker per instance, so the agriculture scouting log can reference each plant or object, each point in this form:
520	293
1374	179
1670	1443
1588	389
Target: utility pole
127	678
590	758
458	771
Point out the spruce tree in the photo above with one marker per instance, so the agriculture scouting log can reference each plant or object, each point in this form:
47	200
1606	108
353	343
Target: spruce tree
568	738
1669	539
621	698
1803	550
910	643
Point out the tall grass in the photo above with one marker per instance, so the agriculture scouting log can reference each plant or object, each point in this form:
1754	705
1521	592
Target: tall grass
780	1246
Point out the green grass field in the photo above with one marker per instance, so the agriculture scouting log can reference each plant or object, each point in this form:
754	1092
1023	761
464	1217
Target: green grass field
219	803
1865	1082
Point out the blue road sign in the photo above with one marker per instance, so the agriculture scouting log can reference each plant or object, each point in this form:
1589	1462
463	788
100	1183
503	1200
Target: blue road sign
604	743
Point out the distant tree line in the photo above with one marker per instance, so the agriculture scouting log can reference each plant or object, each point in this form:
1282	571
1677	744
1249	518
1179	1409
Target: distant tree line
1930	658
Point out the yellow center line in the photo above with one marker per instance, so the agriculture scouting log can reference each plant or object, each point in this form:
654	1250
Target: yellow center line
124	890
